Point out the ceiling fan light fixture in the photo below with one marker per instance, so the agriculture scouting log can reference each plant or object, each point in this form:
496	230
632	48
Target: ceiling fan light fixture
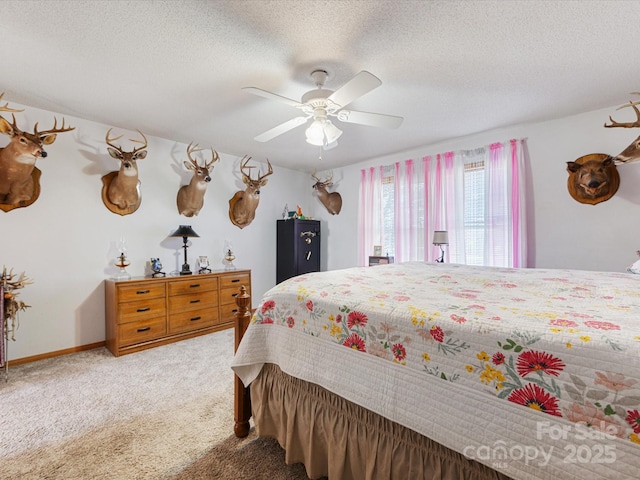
322	132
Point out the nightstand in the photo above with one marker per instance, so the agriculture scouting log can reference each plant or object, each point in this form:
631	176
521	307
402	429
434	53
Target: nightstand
380	260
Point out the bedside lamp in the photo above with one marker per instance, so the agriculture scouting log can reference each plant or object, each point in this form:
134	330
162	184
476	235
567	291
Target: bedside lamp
185	231
440	237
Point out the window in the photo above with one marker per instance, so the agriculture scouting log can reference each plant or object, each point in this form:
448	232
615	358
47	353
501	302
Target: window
475	195
474	207
388	223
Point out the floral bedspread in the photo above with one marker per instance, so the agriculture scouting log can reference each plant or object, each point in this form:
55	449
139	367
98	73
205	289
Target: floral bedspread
565	343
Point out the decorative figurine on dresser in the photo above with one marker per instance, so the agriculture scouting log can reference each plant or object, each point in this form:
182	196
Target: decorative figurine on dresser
298	248
156	267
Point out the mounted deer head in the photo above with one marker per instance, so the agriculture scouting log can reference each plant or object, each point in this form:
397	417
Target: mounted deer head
191	197
121	189
632	152
332	201
242	206
19	176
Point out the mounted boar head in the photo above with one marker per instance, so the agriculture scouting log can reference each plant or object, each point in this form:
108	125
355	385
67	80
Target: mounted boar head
593	178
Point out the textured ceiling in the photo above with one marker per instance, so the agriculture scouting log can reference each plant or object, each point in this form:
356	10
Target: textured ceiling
175	69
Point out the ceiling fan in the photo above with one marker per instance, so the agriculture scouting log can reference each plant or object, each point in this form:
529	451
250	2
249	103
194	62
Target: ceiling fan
320	104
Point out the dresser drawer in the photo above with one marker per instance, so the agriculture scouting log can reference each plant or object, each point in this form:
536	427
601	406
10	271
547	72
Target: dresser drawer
235	280
141	310
194	301
129	293
193	320
142	331
228	312
228	295
193	285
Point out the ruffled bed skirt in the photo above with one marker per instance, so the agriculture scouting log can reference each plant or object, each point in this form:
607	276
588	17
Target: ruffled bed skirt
336	438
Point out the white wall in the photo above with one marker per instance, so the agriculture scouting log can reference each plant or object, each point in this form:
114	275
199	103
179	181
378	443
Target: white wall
65	240
563	233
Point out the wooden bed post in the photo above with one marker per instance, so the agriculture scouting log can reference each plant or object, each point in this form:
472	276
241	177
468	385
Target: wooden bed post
242	400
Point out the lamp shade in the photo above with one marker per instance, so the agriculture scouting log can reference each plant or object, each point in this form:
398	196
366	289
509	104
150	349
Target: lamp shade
440	237
322	132
184	231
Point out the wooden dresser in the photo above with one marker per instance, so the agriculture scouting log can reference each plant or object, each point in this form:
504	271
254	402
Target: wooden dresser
147	312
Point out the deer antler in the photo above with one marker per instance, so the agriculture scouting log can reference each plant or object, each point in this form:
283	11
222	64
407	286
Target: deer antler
109	141
14	125
631	104
55	129
327	182
191	149
214	158
144	143
260	177
6	108
196	148
243	165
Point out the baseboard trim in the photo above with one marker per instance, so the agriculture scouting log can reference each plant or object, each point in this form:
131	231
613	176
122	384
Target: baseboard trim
57	353
66	351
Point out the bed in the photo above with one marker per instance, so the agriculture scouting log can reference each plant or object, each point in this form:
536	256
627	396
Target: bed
445	371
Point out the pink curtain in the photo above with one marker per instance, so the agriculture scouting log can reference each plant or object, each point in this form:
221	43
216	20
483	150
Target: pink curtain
430	195
519	251
505	236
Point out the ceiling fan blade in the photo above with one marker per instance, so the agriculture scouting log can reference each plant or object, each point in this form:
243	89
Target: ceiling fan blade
280	129
362	83
272	96
371	119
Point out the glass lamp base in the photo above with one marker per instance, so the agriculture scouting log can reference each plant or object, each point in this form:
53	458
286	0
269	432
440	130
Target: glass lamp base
228	261
122	275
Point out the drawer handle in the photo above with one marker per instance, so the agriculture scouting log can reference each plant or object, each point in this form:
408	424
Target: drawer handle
145	329
142	292
195	285
146	309
194	301
235	280
235	310
234	294
193	319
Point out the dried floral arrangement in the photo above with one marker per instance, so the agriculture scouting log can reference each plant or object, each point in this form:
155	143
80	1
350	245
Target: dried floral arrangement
12	305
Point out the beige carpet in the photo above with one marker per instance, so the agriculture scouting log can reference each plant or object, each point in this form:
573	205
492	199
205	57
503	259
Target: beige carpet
165	413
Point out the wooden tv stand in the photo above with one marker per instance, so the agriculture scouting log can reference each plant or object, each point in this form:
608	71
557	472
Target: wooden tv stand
147	312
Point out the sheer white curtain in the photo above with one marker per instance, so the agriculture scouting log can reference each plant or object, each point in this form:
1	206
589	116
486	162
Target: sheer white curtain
477	196
444	195
370	215
505	232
